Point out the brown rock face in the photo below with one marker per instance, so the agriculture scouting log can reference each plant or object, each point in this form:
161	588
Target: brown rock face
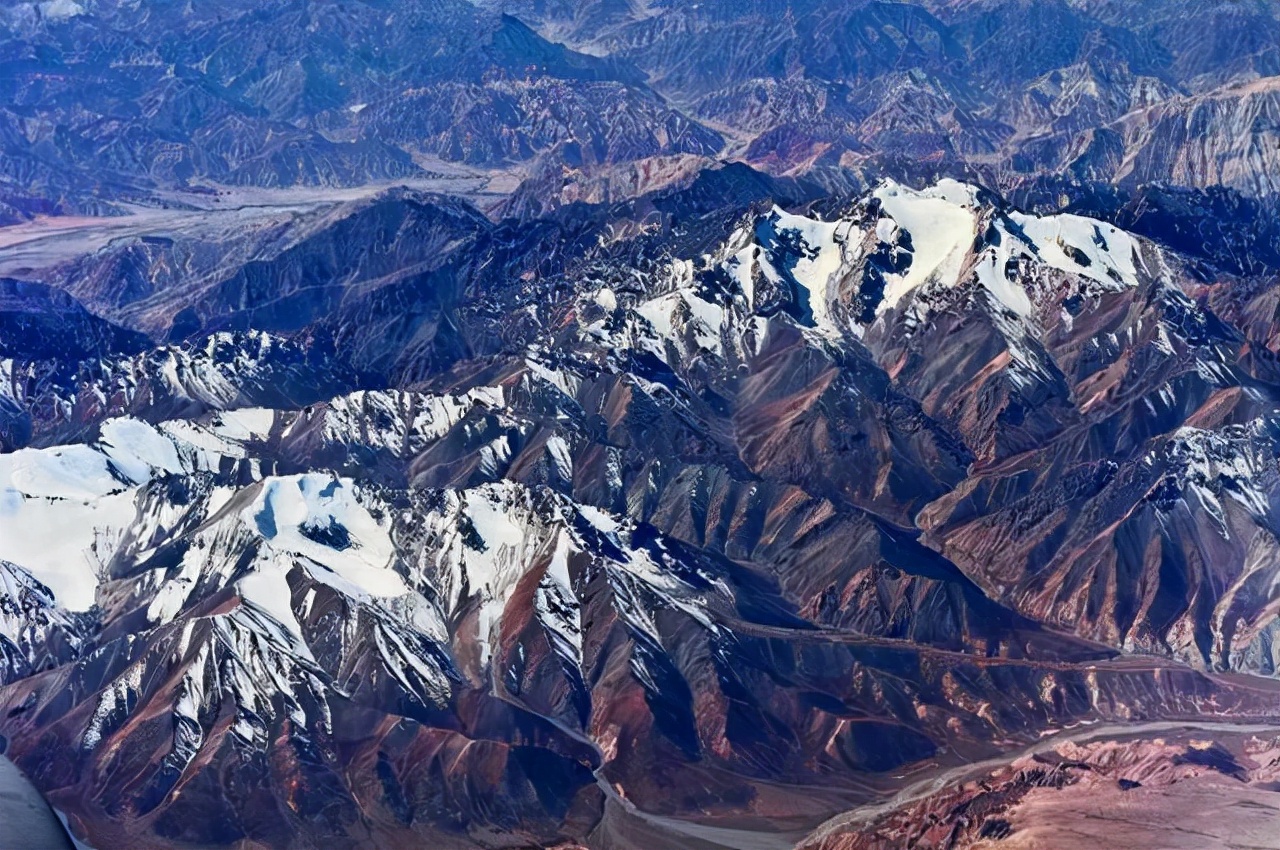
731	524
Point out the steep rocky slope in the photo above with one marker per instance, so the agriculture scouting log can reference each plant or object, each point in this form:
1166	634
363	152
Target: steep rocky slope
711	523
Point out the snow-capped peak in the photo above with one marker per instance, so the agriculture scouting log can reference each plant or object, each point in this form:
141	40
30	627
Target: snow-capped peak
937	227
318	518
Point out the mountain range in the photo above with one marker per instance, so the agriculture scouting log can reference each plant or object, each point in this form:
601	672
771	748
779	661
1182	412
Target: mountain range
697	504
113	102
630	426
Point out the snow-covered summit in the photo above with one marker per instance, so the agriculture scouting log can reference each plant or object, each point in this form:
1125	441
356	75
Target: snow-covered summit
898	254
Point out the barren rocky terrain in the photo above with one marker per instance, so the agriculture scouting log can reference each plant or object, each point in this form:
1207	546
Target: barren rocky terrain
639	426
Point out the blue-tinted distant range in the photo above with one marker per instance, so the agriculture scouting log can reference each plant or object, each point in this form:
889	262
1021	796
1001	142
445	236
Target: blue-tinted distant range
626	425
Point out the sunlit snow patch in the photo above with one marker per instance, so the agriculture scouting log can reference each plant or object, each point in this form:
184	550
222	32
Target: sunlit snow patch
318	517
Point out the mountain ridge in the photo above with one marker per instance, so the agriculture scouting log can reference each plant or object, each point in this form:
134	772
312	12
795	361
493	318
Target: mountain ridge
769	503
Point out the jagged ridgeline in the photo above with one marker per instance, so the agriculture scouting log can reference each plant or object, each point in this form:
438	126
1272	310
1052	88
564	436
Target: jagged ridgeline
109	103
688	521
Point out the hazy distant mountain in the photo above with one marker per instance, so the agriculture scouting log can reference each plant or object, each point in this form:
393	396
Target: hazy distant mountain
106	101
109	101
